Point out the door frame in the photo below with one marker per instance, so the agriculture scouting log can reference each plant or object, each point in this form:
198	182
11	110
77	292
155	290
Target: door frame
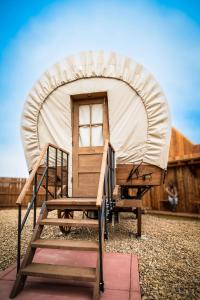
89	98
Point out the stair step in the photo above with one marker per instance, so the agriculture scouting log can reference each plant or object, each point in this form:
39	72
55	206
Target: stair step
60	272
72	202
65	244
70	222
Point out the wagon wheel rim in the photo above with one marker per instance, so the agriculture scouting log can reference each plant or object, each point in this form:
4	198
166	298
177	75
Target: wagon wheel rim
65	214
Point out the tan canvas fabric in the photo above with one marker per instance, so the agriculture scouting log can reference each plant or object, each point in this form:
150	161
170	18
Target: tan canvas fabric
139	118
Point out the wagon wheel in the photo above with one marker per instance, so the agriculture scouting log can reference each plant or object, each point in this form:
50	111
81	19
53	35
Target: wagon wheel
65	214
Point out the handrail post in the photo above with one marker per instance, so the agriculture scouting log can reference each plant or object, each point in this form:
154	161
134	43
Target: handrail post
105	222
113	168
47	174
110	176
61	173
19	237
113	172
35	200
108	180
56	166
67	170
101	283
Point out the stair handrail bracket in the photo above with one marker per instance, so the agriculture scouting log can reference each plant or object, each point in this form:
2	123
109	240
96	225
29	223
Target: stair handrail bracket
39	177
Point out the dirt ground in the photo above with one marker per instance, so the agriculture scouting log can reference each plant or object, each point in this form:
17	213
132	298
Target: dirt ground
168	252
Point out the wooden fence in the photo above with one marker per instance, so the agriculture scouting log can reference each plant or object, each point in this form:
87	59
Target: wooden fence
10	189
186	175
179	145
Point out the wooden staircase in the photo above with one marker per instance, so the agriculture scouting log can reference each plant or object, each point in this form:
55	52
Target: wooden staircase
87	274
78	273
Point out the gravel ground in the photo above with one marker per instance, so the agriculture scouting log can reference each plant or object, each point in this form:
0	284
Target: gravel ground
168	252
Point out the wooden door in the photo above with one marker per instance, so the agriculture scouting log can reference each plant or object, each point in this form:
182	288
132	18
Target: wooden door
90	129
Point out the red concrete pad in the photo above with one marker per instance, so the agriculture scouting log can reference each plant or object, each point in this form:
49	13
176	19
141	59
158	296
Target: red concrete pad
114	295
120	276
135	296
9	274
135	282
44	290
117	268
5	288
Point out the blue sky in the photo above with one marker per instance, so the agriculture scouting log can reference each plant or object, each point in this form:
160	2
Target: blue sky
164	36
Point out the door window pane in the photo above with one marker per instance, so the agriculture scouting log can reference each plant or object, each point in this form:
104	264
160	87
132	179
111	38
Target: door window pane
97	135
84	136
97	113
84	114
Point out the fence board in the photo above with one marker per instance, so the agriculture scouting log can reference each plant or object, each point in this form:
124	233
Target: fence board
10	189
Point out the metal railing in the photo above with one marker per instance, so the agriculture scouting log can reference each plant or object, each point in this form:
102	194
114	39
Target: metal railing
105	199
49	172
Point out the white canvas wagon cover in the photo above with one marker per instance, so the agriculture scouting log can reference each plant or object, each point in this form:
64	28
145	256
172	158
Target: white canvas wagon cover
139	121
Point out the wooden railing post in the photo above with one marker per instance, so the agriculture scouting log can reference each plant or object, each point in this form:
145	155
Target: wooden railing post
56	166
67	177
47	174
100	248
61	174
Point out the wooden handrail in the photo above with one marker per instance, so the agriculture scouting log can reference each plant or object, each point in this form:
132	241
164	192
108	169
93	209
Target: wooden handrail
102	173
31	176
33	172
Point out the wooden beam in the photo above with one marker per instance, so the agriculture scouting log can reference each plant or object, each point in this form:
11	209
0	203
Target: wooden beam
129	203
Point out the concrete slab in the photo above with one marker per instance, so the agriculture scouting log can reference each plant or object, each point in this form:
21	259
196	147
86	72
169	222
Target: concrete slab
134	278
135	296
117	268
120	275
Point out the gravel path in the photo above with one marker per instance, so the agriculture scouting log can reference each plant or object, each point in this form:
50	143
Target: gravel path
169	251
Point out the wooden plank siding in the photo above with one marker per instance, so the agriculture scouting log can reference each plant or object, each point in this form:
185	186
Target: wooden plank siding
187	179
180	145
184	170
10	189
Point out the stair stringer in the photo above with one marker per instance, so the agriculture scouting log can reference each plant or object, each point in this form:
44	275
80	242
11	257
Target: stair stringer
30	252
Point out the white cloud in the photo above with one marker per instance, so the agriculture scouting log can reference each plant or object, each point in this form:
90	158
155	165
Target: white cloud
164	41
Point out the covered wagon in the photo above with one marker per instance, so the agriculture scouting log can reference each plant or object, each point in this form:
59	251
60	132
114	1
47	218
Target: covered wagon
84	100
95	130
